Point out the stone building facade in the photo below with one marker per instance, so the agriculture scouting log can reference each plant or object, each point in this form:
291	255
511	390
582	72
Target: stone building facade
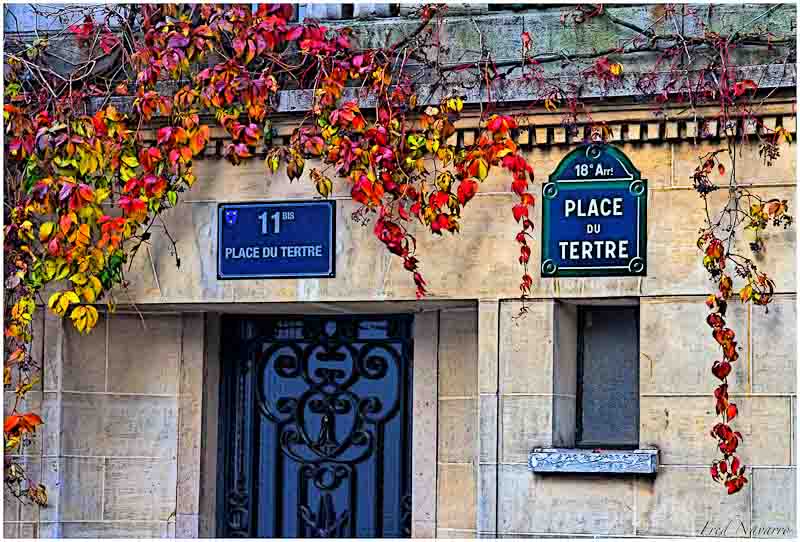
134	412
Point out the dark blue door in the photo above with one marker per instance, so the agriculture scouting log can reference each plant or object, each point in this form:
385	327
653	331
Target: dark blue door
315	427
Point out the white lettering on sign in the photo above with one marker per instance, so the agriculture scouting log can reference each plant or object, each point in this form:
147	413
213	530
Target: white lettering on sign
583	170
603	207
592	250
254	253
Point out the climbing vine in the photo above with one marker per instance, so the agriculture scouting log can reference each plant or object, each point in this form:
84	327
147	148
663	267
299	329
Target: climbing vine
97	152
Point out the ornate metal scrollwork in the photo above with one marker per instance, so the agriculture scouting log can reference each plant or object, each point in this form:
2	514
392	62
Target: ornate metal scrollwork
326	391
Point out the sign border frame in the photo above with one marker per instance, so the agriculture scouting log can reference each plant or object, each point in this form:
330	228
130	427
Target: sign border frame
331	204
635	176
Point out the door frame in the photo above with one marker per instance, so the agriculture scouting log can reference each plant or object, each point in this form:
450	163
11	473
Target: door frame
423	398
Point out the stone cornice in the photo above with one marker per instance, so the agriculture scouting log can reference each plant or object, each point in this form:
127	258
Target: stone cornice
626	125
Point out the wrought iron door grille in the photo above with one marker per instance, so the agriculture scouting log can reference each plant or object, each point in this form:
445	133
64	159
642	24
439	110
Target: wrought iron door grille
316	427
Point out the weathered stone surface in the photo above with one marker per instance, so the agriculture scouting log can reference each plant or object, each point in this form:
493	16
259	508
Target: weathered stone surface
425	423
119	425
52	350
488	428
774	341
423	529
458	353
565	415
487	498
750	167
85	358
677	350
78	482
49	434
191	416
533	503
458	430
456	533
675	264
684	501
604	461
527	423
186	526
679	427
144	356
20	530
105	529
774	503
456	508
526	347
488	346
139	489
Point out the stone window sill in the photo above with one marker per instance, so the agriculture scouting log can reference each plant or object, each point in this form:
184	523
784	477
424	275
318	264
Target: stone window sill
570	460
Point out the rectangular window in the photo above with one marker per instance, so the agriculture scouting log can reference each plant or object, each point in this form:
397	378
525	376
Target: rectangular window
608	377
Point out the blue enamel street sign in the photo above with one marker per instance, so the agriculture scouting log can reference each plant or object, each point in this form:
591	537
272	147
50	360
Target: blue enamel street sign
594	216
276	240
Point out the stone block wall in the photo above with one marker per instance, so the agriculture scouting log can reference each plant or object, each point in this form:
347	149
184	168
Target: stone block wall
120	448
123	448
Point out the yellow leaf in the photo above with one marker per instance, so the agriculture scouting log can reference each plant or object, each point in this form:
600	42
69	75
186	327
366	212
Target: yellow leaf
89	295
483	169
63	271
46	230
12	442
616	69
130	161
78	317
324	186
455	104
101	194
95	284
53	299
79	279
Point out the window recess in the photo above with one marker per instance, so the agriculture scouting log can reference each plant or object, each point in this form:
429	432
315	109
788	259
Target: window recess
596	391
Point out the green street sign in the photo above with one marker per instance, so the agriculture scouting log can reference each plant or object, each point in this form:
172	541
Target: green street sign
594	216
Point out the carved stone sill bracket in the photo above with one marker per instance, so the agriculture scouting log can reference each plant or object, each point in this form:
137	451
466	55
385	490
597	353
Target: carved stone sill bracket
602	461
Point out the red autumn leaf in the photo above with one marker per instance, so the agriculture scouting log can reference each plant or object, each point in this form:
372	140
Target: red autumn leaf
715	320
83	32
527	282
527	199
65	223
731	411
519	211
519	186
163	135
466	190
524	254
11	423
724	335
294	33
721	369
729	446
439	199
736	466
735	484
729	351
740	87
526	40
721	169
108	41
32	419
